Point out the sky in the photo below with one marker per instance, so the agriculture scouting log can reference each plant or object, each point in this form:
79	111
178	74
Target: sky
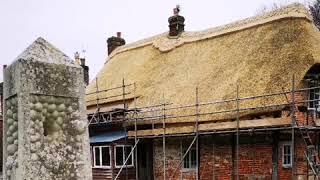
76	25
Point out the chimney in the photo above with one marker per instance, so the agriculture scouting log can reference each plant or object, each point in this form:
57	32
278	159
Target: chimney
176	22
80	59
77	58
114	42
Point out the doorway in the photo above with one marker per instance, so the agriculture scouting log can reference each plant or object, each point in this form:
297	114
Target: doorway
145	159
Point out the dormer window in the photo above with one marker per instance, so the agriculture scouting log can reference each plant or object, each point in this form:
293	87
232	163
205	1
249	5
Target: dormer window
313	79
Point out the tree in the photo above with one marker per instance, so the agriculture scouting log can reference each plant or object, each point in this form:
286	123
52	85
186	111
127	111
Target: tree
315	12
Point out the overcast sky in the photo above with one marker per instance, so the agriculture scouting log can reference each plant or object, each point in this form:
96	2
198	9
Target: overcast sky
74	25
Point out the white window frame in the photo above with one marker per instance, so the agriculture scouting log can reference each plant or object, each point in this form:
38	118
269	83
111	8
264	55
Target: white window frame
123	156
91	155
100	151
189	159
315	91
283	155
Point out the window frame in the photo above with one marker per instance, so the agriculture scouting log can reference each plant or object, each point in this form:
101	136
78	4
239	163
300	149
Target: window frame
123	156
315	103
100	157
283	155
91	156
189	156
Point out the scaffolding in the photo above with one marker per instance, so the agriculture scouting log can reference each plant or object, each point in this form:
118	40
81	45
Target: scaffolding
204	112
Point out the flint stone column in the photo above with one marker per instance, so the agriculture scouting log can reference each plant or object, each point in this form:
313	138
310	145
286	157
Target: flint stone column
45	126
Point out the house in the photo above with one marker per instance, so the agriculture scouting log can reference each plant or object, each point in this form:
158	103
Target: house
238	101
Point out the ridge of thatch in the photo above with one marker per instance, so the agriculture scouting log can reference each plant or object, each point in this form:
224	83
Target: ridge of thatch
260	59
165	43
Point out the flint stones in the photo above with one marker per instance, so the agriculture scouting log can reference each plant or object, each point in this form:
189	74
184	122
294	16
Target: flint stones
46	136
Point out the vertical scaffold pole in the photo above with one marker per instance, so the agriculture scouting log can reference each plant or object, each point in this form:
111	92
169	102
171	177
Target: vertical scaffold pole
181	158
135	130
238	124
293	124
97	89
97	99
123	94
124	121
164	136
197	132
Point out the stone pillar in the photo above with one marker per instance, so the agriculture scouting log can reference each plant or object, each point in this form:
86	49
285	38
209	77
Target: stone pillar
45	126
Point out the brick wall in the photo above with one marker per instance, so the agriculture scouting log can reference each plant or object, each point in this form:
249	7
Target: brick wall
303	118
218	156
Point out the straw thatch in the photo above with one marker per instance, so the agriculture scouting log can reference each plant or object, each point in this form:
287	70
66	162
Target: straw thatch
260	54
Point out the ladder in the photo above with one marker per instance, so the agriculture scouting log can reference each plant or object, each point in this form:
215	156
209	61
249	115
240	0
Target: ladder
310	153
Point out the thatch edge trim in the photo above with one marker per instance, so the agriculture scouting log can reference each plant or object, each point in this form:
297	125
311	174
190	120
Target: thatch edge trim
165	44
225	33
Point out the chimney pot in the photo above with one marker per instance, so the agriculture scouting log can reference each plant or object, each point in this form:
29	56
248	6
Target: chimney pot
119	34
114	42
176	23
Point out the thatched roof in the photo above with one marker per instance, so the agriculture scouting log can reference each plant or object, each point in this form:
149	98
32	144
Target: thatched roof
260	54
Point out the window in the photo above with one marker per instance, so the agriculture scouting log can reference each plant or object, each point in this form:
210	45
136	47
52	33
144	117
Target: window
121	154
314	95
101	156
189	161
287	155
91	156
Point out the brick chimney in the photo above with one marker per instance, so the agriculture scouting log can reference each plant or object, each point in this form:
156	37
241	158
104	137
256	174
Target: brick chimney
176	23
114	42
81	60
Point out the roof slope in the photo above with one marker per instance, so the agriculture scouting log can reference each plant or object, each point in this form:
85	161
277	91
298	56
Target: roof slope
260	54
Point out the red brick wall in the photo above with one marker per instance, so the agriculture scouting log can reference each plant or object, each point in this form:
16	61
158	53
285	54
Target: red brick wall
301	117
217	159
300	162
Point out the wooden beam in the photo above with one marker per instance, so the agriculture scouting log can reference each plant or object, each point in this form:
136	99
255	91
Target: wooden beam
244	124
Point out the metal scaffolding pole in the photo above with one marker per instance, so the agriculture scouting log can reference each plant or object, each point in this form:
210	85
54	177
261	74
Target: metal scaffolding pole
164	136
181	158
135	129
293	123
124	117
97	90
237	155
197	133
213	159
